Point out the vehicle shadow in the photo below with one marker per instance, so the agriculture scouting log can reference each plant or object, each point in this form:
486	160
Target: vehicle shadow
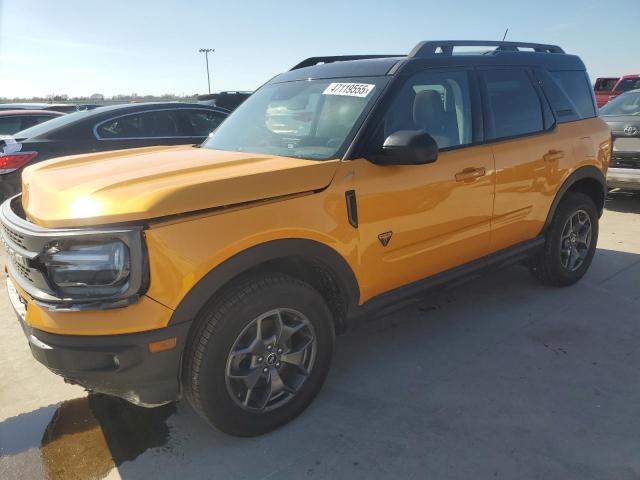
623	201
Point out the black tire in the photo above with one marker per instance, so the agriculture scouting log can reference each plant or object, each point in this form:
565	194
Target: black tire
217	330
547	265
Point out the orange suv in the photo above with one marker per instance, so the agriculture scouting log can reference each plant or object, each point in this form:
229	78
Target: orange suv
222	272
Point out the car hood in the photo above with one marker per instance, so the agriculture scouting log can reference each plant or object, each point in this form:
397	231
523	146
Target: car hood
152	182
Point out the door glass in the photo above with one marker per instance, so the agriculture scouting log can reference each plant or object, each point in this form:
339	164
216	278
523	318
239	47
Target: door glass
514	105
10	125
202	122
157	124
438	103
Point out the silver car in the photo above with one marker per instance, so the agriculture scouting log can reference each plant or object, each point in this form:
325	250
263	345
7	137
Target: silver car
623	116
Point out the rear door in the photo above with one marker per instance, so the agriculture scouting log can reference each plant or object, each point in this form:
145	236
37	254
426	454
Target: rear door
528	153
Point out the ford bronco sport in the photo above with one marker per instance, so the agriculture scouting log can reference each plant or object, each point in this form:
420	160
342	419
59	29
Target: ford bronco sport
224	271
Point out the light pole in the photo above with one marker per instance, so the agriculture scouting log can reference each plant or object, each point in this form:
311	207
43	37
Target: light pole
206	58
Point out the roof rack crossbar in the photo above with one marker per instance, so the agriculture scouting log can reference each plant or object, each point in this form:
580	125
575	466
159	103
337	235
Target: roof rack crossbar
430	48
309	62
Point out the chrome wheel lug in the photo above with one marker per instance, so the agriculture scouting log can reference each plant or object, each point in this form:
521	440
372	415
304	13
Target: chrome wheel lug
277	364
269	347
279	350
265	369
260	359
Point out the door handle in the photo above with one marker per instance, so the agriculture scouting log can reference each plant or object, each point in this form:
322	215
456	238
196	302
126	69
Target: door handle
470	173
553	155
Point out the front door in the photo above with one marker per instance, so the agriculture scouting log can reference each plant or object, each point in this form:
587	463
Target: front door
418	220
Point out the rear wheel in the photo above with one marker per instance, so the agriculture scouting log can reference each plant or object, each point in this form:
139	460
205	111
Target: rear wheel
570	242
259	354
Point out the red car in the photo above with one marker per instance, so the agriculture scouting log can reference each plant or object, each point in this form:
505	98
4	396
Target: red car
13	121
626	83
603	87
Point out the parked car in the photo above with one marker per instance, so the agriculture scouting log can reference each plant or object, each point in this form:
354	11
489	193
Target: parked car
626	83
622	114
56	107
12	121
227	100
602	89
113	127
234	265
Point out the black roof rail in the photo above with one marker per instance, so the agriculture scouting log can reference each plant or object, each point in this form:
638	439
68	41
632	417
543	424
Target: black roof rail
430	48
309	62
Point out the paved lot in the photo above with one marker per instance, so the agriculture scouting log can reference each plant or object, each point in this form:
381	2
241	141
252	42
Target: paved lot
498	378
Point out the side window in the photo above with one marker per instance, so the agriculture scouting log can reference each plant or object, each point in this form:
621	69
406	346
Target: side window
201	123
514	105
438	102
10	125
605	84
575	86
157	124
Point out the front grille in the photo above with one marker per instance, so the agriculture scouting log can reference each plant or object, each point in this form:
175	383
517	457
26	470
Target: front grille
619	161
13	236
25	272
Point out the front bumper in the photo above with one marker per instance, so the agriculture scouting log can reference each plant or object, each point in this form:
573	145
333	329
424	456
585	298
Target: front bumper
119	365
625	178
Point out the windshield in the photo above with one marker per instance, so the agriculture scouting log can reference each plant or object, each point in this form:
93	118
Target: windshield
52	124
625	104
311	119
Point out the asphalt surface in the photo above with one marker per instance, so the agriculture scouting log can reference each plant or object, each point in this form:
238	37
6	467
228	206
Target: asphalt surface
497	378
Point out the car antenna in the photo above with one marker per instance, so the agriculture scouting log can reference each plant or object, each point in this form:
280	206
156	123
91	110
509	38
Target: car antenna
505	34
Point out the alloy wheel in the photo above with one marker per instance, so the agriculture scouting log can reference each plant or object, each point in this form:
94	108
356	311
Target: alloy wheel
575	240
270	360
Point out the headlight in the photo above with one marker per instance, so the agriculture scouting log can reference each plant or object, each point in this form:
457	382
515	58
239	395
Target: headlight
88	268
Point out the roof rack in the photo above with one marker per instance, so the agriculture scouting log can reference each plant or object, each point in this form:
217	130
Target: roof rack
430	49
309	62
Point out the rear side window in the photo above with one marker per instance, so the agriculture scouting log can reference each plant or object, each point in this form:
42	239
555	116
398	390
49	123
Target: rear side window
575	86
156	124
514	105
605	84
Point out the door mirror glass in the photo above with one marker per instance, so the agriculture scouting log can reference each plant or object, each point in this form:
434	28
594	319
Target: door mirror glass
408	147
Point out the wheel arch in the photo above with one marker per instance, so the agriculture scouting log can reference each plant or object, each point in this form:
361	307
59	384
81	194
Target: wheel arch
588	180
308	260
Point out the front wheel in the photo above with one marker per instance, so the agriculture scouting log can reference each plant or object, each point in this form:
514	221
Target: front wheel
258	354
570	242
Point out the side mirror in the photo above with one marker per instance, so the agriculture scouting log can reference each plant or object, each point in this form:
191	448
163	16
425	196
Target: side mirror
408	147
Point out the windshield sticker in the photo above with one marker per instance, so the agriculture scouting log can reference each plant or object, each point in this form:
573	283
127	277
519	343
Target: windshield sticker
349	89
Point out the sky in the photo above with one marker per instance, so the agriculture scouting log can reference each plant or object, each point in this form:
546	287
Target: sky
81	47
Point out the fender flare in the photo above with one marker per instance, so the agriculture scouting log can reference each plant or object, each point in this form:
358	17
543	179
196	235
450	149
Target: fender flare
581	173
212	282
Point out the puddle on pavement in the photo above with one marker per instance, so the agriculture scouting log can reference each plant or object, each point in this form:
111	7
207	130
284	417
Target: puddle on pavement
87	437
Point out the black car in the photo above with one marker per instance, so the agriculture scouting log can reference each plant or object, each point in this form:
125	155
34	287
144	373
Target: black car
114	127
622	114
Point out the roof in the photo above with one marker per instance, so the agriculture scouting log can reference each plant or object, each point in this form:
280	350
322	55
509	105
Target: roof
434	54
9	113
